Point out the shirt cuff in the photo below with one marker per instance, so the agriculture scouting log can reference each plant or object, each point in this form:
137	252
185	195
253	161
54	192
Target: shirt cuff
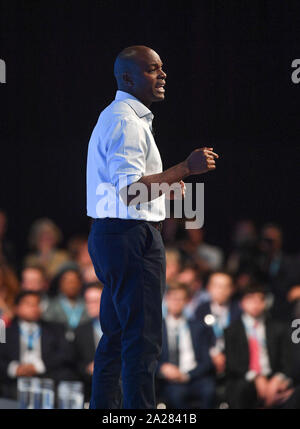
251	375
283	377
214	351
12	368
40	366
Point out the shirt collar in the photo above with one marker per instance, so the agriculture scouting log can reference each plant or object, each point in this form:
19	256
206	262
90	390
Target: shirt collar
140	109
250	321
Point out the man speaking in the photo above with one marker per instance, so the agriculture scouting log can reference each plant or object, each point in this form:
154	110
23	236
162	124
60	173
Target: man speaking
125	242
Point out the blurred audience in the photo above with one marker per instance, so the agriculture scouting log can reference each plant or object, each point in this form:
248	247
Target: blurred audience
208	257
227	341
185	370
78	250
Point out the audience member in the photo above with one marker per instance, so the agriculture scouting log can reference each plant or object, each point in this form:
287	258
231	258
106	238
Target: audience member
87	336
9	288
218	313
33	347
68	307
185	370
44	238
34	278
258	357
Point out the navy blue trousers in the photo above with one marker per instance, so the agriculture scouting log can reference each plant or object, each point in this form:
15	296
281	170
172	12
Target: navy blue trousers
129	259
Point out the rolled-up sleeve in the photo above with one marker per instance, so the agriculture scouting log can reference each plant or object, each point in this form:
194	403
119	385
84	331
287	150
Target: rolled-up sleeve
126	152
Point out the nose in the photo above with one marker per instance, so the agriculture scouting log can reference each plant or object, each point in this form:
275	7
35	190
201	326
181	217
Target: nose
162	75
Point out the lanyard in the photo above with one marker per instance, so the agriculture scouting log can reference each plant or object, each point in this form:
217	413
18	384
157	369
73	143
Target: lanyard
218	328
73	313
31	337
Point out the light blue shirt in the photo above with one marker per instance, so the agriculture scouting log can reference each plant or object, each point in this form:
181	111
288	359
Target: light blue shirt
121	150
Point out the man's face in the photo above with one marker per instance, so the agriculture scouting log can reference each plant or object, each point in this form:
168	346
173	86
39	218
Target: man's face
146	78
29	308
220	288
92	299
254	304
33	279
176	300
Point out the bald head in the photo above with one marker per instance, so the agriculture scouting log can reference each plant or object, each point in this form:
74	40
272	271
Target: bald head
128	59
138	71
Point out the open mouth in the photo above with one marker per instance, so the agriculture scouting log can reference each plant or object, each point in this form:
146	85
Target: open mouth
160	88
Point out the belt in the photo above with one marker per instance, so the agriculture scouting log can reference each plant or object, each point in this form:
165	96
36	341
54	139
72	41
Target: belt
157	225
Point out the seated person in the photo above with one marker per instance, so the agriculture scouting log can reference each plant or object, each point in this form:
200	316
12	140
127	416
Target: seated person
33	347
68	307
218	313
87	336
185	370
258	359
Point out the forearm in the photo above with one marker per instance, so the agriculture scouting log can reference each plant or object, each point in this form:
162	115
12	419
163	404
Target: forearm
169	176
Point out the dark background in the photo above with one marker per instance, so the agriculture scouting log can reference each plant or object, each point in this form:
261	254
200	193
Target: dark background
229	85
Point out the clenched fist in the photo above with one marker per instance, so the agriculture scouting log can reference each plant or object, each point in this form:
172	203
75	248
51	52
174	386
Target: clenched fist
201	160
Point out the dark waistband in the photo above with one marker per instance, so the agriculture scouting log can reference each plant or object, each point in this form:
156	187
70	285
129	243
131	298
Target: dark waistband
158	225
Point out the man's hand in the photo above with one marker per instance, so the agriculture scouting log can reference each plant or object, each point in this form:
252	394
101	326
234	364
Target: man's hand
201	160
26	370
261	384
90	368
219	361
172	373
275	390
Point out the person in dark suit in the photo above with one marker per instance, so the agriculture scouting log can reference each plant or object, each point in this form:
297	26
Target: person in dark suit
185	369
218	313
258	358
87	336
33	348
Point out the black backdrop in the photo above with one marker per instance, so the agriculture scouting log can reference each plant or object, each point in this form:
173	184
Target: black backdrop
229	85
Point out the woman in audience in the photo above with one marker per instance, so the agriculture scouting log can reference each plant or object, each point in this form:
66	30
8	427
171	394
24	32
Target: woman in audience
44	238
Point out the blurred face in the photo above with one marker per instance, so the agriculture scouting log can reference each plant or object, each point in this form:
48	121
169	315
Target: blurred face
172	265
46	237
146	79
195	235
254	304
176	301
271	240
92	301
189	278
220	288
33	279
29	308
2	224
70	284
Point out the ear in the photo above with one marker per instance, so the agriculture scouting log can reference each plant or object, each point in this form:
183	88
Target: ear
127	79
